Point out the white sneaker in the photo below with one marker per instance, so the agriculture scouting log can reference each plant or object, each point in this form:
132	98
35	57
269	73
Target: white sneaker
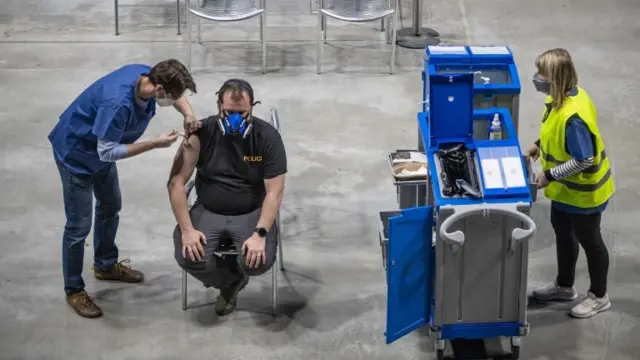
554	292
590	306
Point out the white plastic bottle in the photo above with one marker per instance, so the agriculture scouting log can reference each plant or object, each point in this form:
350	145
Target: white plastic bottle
495	130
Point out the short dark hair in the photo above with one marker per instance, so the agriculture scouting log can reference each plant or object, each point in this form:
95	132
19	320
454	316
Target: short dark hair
236	87
173	76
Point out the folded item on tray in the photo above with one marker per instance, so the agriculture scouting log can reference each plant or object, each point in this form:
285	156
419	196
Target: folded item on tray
403	157
410	170
420	171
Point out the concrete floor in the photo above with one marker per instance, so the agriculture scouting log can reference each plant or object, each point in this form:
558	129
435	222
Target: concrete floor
338	128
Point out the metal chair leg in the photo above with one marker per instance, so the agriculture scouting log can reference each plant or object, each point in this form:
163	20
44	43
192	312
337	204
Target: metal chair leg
199	30
387	34
319	40
189	35
117	20
280	256
274	291
178	15
263	21
280	232
324	29
394	26
184	290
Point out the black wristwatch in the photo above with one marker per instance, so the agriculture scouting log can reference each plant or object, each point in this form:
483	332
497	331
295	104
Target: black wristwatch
262	232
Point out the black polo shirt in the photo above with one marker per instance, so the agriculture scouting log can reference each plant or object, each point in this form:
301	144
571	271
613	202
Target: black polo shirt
231	170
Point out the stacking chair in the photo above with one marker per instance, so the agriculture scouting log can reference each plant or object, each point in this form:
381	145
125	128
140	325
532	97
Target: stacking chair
117	16
357	11
382	25
229	250
227	11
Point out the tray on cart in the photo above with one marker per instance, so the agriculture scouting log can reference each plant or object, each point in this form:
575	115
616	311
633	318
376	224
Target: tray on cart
408	167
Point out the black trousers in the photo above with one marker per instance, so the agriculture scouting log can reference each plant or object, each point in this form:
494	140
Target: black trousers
584	229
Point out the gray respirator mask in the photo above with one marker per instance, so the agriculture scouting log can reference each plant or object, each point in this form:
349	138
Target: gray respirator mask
541	85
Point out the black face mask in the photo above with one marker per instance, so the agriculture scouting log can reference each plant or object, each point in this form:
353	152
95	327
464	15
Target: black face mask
541	85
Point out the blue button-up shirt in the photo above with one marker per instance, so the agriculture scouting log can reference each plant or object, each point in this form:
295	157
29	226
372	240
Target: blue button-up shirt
106	110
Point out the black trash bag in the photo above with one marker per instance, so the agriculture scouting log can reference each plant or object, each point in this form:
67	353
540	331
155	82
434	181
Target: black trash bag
458	175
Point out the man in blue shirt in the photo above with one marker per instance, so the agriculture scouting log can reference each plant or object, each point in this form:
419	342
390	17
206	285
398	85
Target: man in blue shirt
101	126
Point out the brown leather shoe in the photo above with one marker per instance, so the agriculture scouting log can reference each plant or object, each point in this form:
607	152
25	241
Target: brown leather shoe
120	272
83	304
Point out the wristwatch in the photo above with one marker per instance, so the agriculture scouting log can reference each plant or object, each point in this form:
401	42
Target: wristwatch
262	232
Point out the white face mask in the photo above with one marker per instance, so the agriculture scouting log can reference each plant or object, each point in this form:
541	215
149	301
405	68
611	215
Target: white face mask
164	101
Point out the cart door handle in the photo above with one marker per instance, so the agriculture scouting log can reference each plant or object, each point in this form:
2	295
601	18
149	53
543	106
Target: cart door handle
456	239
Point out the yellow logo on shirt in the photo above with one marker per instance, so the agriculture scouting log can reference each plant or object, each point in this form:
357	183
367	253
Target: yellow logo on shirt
252	158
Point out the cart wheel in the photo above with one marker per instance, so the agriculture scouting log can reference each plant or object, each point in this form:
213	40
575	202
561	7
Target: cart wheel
440	354
515	352
515	347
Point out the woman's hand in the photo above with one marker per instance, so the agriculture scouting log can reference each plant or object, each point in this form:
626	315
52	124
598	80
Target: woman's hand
532	153
541	180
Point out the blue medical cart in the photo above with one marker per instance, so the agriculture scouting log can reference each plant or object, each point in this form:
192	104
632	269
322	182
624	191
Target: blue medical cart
471	283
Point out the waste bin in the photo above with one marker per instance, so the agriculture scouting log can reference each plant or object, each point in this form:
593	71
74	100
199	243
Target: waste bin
411	188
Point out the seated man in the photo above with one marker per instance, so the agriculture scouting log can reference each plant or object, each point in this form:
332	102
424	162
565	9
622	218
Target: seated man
241	165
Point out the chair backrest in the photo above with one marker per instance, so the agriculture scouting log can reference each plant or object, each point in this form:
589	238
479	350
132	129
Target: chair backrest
229	6
274	120
357	7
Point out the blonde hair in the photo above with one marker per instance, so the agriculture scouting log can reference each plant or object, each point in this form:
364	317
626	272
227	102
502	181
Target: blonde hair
557	68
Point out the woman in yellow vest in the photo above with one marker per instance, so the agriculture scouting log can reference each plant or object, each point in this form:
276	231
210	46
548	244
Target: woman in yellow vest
576	178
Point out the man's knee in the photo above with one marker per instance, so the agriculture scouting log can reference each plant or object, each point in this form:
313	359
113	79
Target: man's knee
253	271
262	268
77	229
111	208
185	264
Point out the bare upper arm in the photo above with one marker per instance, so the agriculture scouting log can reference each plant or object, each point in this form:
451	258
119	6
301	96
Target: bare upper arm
185	162
274	185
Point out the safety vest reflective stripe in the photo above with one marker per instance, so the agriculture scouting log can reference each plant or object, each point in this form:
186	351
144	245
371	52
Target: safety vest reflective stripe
587	187
590	170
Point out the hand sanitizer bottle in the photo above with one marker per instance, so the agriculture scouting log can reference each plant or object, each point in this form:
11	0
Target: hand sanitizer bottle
495	130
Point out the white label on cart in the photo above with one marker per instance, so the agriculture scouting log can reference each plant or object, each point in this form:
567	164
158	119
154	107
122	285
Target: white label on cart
491	174
513	174
489	50
456	50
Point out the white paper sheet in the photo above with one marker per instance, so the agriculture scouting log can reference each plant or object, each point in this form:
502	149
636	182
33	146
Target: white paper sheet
491	174
418	157
414	157
513	173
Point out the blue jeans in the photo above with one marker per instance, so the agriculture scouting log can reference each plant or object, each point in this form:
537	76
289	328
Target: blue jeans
78	192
